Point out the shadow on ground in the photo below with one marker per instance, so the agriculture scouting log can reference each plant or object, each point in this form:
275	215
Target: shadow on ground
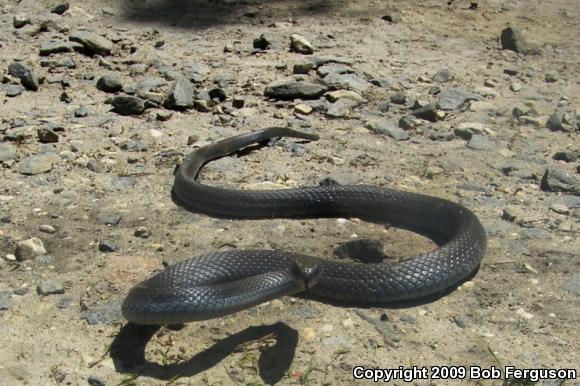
128	352
191	14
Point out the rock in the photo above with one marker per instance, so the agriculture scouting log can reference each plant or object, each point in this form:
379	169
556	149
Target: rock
428	112
383	126
107	313
407	122
20	20
341	107
346	81
443	75
566	156
572	284
45	228
482	106
393	17
515	86
5	300
109	218
299	44
13	90
81	112
109	83
512	39
95	166
481	142
551	76
398	98
466	130
29	249
94	380
555	180
164	116
54	46
509	214
560	208
128	105
93	43
142	233
446	135
302	67
218	94
23	72
50	287
363	250
269	40
46	135
64	303
7	152
107	246
294	89
37	164
556	121
180	95
462	321
383	106
455	99
333	68
60	8
303	109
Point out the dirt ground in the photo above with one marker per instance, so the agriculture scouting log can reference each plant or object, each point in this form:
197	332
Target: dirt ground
94	185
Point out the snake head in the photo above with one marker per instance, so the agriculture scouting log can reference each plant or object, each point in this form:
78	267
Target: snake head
306	271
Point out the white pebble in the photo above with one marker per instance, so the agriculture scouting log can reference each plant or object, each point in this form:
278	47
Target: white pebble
524	314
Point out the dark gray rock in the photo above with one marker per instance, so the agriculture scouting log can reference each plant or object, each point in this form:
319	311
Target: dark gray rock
398	98
392	17
13	90
481	142
50	287
128	105
556	121
383	126
50	47
7	152
150	84
269	40
572	284
60	8
462	321
556	180
455	99
92	42
107	313
64	303
407	122
551	76
428	112
383	106
37	164
443	75
180	95
109	83
334	68
108	218
107	246
346	82
81	112
294	89
46	135
94	380
512	39
446	135
24	72
566	156
217	94
19	21
363	250
95	166
5	300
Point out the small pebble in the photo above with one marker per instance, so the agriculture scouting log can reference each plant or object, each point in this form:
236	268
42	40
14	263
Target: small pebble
107	246
47	229
29	249
142	233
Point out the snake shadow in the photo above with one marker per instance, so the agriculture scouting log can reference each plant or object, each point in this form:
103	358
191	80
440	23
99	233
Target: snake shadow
129	346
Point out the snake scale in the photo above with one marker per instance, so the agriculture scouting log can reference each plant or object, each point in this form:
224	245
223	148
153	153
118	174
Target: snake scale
221	283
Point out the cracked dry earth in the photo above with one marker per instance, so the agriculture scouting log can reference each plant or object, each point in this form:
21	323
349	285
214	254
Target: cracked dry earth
101	99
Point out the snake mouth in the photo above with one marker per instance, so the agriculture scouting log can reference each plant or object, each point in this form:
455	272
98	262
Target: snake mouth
306	272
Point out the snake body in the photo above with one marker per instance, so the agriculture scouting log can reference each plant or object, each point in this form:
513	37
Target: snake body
220	283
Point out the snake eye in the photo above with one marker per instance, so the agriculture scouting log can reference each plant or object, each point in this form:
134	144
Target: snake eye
306	271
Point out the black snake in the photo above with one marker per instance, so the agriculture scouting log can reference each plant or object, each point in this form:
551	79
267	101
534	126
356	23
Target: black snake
220	283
